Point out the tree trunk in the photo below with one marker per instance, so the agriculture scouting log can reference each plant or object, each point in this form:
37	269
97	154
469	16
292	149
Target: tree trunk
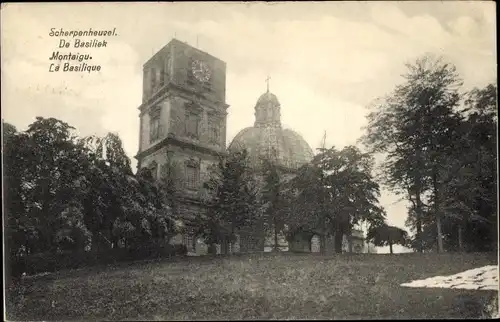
338	242
418	192
275	235
460	239
390	247
439	235
230	245
212	249
437	213
322	244
418	213
322	238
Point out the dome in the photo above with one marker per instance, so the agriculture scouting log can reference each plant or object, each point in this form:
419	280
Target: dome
267	139
268	98
287	147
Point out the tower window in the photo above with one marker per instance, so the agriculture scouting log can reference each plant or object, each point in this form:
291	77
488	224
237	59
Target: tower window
214	131
155	129
153	76
192	121
192	176
162	75
154	125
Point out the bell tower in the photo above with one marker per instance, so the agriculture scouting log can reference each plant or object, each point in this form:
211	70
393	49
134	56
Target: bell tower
183	119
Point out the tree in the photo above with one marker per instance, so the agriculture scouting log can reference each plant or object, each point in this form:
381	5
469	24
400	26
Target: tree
272	200
234	202
110	188
470	195
353	193
64	193
336	192
19	228
416	127
308	194
120	207
385	235
469	189
158	219
53	167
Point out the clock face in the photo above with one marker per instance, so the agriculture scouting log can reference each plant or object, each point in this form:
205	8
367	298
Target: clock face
201	71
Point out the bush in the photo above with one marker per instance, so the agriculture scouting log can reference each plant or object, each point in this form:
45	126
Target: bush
51	262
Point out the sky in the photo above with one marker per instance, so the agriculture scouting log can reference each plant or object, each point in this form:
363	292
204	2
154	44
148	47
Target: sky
327	60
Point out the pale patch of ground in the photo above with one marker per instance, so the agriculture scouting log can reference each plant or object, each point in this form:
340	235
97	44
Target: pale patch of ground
483	278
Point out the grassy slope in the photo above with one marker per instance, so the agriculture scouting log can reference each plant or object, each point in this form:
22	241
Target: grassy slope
254	287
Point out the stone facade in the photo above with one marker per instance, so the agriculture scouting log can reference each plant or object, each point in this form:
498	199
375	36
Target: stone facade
183	130
183	126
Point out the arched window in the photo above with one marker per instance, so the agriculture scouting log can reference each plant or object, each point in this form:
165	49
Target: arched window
192	119
192	174
214	130
192	122
154	124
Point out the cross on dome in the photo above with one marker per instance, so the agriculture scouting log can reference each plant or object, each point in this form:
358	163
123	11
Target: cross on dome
267	81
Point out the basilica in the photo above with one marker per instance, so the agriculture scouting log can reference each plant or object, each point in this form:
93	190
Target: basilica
183	119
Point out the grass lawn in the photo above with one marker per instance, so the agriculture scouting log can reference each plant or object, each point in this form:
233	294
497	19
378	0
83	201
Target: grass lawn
257	286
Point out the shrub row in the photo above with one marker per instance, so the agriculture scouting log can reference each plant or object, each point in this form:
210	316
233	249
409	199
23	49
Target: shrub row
51	262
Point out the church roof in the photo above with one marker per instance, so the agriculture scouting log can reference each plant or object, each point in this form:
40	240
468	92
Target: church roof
267	98
267	139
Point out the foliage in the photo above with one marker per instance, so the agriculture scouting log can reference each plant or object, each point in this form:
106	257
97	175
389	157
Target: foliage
273	202
132	210
335	192
42	166
428	147
470	196
65	193
233	205
385	235
51	262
